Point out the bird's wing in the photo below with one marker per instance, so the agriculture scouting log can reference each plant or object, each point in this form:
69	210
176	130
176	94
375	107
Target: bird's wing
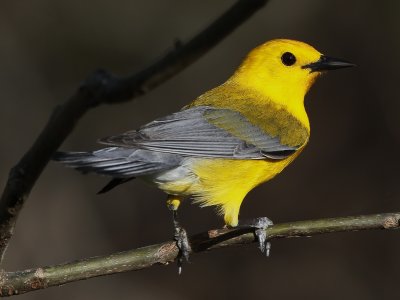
204	131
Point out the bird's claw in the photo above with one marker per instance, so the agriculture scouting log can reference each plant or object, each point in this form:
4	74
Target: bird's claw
183	245
260	224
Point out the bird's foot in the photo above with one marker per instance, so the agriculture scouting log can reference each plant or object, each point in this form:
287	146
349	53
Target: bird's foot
260	224
182	242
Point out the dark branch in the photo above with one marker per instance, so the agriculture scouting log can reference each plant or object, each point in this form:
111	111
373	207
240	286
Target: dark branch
19	282
103	87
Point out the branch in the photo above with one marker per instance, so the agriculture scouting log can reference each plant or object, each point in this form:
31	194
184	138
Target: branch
103	87
19	282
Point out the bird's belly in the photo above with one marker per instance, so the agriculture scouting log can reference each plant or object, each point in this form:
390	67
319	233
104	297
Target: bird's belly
225	183
212	181
234	176
220	182
176	181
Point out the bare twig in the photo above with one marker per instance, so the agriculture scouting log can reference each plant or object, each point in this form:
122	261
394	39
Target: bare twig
13	283
103	87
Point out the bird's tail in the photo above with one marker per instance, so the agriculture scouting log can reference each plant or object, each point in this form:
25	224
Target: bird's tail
88	162
117	162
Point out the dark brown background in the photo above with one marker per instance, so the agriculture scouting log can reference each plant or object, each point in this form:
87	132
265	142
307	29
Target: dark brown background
351	165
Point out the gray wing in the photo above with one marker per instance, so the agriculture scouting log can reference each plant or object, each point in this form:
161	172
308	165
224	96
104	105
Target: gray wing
192	132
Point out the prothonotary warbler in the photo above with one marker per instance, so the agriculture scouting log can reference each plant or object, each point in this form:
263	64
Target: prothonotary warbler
224	143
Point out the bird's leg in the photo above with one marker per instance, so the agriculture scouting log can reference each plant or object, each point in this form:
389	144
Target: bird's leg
180	234
260	224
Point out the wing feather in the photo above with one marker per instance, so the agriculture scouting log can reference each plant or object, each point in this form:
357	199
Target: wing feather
205	131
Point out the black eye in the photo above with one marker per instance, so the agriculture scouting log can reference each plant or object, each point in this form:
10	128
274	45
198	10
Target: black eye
288	59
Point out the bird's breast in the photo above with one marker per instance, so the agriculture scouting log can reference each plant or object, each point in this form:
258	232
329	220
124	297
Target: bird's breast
239	175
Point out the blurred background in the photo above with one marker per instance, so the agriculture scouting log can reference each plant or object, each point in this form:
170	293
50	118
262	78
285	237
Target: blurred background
351	165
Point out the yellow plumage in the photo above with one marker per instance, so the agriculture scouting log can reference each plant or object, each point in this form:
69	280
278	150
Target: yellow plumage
225	183
271	96
227	141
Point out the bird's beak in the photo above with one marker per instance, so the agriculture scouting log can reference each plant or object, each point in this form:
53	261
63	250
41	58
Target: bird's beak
326	63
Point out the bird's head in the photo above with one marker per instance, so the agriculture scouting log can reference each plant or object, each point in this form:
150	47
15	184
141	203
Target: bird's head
284	70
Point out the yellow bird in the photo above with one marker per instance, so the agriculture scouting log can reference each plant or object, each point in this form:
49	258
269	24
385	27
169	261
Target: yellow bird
227	141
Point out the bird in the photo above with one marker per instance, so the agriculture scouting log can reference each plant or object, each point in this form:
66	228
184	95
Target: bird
226	142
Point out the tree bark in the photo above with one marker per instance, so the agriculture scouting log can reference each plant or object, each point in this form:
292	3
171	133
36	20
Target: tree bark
19	282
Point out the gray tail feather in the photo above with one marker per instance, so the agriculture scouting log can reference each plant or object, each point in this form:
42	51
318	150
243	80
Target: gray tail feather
87	162
83	161
110	161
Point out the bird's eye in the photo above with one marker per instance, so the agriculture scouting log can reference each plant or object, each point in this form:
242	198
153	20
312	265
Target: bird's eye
288	59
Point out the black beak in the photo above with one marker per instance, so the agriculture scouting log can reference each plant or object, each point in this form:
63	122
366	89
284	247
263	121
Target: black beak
326	63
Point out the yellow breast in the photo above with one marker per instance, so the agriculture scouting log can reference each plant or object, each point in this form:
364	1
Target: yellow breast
225	183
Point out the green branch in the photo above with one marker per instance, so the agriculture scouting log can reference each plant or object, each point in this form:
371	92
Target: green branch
19	282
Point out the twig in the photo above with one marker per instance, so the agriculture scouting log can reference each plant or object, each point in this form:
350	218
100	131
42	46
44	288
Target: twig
19	282
103	87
